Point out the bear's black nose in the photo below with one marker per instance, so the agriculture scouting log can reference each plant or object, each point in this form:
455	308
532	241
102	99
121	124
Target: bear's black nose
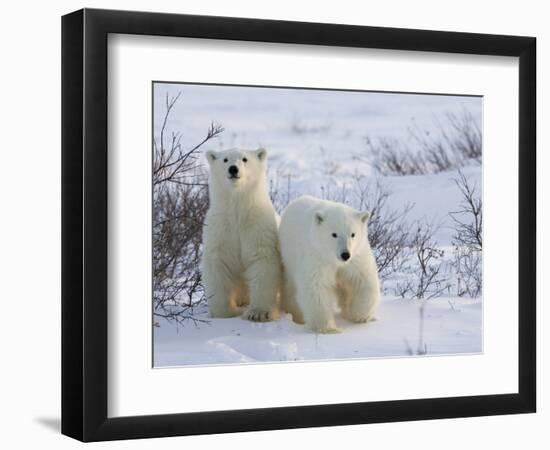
233	170
345	255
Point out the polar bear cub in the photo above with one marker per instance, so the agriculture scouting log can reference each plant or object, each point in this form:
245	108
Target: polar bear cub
328	264
241	263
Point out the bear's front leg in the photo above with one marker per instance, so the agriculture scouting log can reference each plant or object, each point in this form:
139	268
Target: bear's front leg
361	288
263	278
318	302
363	302
218	286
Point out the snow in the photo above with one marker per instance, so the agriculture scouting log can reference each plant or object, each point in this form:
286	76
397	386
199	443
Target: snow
314	139
432	197
299	125
451	326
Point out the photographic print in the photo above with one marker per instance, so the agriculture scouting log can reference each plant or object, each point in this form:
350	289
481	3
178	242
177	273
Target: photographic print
299	224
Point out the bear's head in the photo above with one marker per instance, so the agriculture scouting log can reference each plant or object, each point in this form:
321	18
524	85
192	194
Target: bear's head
340	232
237	169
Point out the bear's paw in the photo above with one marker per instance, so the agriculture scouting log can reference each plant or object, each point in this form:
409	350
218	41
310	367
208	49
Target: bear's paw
361	318
329	329
258	315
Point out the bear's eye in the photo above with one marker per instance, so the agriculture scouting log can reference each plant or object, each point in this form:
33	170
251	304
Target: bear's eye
225	160
352	235
245	160
334	235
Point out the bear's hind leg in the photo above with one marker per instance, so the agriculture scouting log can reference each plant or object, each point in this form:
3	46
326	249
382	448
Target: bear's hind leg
240	294
289	303
219	290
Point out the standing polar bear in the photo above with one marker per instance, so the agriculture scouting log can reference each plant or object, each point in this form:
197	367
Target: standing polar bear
241	262
328	263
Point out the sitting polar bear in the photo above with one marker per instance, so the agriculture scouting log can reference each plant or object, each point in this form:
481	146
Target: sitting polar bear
241	264
328	263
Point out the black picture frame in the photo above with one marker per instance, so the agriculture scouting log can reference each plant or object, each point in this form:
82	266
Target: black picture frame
84	224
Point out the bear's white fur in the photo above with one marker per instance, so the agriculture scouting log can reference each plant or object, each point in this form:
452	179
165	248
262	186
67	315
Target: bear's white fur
241	263
315	236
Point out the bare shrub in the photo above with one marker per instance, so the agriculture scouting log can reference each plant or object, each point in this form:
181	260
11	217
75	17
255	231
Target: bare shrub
388	228
281	191
178	215
172	163
468	239
468	266
457	141
466	136
392	157
180	202
469	219
426	270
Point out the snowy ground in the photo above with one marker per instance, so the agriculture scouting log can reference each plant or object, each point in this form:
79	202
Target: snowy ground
313	139
451	326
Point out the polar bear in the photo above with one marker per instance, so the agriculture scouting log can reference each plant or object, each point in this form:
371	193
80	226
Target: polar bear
241	263
328	264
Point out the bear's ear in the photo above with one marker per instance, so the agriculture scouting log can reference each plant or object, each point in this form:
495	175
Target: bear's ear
211	155
261	153
364	216
319	217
